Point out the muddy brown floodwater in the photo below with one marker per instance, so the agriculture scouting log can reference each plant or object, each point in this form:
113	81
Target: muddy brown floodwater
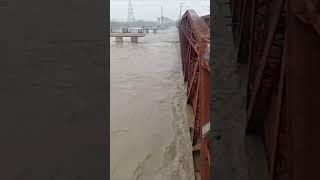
149	130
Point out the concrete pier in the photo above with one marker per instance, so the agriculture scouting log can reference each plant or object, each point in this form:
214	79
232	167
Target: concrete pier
134	36
125	30
119	39
134	39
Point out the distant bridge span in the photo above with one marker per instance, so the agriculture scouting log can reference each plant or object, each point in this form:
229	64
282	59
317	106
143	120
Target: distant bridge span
134	36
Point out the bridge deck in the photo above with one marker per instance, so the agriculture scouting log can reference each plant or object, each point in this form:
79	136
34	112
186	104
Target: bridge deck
127	34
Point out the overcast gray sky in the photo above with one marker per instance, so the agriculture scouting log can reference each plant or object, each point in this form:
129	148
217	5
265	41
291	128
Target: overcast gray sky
151	9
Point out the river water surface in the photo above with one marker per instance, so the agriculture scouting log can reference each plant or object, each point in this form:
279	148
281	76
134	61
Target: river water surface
149	130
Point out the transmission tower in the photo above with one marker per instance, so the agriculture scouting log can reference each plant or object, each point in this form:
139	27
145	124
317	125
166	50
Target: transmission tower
130	12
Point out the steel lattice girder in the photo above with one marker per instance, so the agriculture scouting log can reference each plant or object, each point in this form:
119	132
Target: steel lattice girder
195	39
261	39
281	40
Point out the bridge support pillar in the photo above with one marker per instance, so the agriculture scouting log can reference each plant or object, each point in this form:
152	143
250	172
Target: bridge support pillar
119	39
125	30
134	39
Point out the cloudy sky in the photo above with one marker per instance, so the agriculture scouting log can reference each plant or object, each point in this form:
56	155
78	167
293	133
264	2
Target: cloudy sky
151	9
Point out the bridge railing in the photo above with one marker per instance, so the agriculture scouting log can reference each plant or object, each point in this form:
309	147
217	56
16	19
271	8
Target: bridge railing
194	36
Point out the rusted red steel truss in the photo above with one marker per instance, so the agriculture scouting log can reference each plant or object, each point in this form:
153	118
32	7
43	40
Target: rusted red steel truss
280	39
206	19
195	42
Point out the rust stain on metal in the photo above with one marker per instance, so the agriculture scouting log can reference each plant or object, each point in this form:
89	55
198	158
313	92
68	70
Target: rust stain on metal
194	36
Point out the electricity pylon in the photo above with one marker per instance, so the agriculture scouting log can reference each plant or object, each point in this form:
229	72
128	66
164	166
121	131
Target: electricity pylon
130	12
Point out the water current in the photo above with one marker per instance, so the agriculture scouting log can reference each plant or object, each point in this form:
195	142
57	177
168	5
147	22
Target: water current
149	130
